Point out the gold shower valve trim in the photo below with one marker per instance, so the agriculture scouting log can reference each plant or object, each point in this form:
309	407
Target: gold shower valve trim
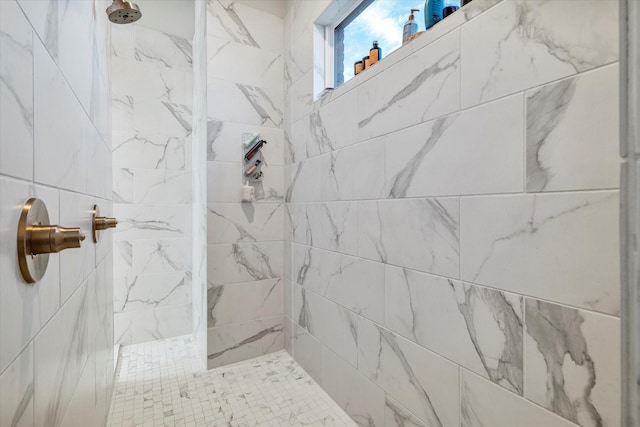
37	239
100	223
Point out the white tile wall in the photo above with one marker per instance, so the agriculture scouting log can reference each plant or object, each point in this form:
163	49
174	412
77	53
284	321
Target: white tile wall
56	336
470	174
152	184
245	255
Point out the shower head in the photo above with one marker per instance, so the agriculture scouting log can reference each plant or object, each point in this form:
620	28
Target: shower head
123	12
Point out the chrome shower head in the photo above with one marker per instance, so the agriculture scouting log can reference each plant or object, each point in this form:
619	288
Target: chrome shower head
123	12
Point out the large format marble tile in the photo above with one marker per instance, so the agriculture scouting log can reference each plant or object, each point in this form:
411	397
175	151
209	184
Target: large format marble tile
224	182
60	353
159	187
244	222
244	24
123	328
243	262
354	173
241	63
162	49
575	117
332	325
334	125
484	326
307	352
422	234
300	97
520	44
354	283
162	322
148	291
164	118
59	122
424	86
99	164
357	395
423	382
332	226
146	82
487	405
148	150
81	410
16	92
77	52
123	257
304	180
241	341
43	15
25	308
473	152
156	256
149	222
561	247
16	391
395	415
244	103
241	302
573	363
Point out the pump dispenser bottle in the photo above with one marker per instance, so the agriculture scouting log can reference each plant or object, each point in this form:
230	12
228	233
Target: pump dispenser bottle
375	53
410	28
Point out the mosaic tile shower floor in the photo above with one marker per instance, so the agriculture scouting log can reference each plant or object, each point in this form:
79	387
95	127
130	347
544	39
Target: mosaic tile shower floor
161	384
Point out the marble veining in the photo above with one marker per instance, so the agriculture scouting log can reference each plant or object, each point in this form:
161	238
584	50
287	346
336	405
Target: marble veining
54	388
150	152
395	232
388	341
524	41
214	128
577	113
446	65
263	105
545	110
397	416
231	23
508	369
162	49
556	222
403	179
581	381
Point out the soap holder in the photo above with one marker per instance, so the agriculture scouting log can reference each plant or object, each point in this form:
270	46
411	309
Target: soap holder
252	157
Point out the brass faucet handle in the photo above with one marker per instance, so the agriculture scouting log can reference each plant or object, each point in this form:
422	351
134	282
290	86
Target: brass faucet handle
104	223
100	223
36	239
48	239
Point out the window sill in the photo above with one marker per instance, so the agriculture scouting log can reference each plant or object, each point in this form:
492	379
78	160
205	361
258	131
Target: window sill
442	28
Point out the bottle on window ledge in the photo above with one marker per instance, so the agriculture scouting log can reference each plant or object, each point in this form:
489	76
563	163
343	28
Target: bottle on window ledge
367	62
375	53
358	67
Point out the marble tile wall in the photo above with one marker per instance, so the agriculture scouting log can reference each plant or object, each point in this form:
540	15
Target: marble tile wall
451	220
56	336
152	102
245	94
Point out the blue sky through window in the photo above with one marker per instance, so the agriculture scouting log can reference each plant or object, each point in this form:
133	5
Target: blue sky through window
383	21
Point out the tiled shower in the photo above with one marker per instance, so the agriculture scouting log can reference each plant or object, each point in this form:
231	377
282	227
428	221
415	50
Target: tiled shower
436	242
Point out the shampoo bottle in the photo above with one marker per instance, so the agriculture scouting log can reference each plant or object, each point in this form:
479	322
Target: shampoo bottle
432	12
375	53
410	28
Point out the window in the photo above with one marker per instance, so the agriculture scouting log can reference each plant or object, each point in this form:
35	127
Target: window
369	20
